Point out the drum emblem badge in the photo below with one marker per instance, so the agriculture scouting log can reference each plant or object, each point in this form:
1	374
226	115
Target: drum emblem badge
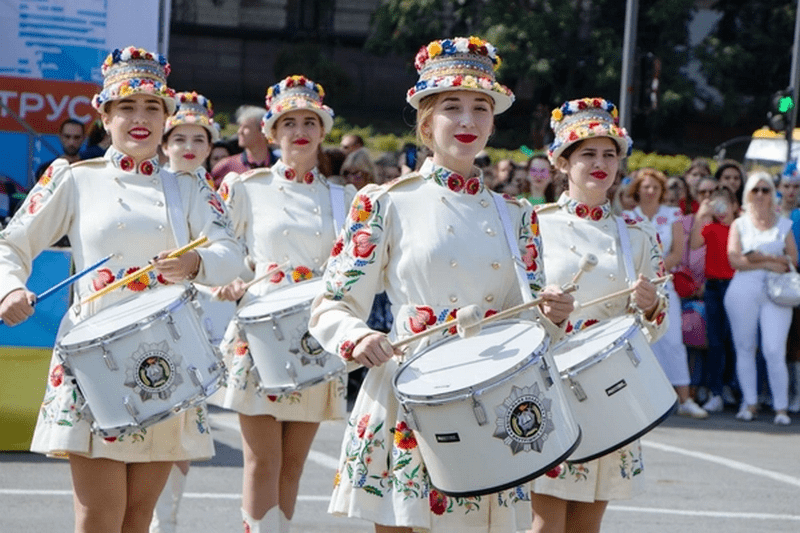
306	348
153	372
524	420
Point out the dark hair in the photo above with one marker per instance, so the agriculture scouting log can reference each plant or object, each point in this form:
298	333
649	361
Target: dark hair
569	150
336	158
730	163
96	133
72	121
165	137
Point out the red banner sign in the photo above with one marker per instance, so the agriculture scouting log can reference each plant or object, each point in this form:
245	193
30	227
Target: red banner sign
44	104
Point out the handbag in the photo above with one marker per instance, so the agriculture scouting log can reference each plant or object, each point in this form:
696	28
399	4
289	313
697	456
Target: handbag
693	323
784	289
684	283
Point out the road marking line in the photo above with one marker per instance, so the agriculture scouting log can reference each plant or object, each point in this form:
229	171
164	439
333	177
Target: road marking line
326	499
730	463
704	514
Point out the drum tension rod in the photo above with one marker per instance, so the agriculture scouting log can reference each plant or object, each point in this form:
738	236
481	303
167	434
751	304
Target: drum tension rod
577	389
631	351
108	358
479	411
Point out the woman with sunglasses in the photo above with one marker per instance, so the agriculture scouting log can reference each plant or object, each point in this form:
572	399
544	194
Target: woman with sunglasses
760	241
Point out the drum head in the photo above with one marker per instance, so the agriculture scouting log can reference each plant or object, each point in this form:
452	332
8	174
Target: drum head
591	341
293	295
455	364
128	312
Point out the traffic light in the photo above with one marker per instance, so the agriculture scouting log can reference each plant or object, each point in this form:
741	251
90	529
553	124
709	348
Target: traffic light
782	103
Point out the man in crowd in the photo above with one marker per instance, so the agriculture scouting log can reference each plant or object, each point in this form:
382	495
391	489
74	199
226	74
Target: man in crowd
256	148
71	135
350	143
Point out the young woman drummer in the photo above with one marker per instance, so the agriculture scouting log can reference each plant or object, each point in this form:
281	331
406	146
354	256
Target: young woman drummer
286	216
187	141
588	147
434	241
116	204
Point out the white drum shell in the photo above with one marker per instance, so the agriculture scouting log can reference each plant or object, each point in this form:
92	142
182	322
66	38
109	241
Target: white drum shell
285	355
215	315
625	392
146	371
466	458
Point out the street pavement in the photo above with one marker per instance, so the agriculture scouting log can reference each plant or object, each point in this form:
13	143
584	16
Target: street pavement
714	475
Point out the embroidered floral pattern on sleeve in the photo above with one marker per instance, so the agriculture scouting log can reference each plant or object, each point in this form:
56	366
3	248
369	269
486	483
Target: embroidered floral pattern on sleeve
355	247
530	245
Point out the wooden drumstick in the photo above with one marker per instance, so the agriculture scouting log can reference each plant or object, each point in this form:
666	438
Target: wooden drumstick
265	275
586	264
133	275
623	292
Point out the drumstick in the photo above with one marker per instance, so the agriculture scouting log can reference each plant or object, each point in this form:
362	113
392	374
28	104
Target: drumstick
617	294
265	275
588	262
133	275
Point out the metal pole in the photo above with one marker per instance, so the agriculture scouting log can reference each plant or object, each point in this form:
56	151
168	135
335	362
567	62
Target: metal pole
794	76
628	55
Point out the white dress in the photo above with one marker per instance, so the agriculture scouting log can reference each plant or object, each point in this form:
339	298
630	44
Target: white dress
281	217
570	230
434	242
105	205
669	349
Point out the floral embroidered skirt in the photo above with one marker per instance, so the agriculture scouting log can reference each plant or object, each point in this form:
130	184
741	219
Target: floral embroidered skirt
62	429
325	401
382	478
618	475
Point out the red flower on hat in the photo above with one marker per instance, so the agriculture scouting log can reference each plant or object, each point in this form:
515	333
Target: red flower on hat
582	104
597	103
363	245
424	318
573	136
457	80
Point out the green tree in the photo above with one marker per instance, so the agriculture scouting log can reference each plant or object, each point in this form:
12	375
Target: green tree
552	50
748	55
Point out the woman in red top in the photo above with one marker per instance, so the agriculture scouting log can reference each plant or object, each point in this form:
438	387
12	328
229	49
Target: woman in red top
714	218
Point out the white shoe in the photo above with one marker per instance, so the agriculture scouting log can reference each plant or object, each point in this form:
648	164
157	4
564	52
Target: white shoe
271	523
714	404
691	409
782	419
745	414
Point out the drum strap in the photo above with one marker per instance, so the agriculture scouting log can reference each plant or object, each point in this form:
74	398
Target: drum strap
174	207
338	207
625	247
522	277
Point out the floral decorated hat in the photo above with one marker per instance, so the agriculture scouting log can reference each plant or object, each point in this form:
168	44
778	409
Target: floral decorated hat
134	71
296	93
461	63
193	109
578	120
791	172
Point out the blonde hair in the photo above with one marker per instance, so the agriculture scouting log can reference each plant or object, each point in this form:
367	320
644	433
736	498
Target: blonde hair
644	173
752	181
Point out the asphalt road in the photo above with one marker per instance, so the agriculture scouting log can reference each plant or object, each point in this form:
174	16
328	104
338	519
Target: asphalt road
717	475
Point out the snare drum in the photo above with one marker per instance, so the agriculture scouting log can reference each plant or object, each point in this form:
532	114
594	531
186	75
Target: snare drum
142	361
614	384
215	314
285	355
489	412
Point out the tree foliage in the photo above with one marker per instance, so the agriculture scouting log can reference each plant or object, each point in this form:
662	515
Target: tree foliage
552	50
748	55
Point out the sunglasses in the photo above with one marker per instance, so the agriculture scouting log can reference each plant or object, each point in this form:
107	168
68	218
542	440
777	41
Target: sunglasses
762	190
